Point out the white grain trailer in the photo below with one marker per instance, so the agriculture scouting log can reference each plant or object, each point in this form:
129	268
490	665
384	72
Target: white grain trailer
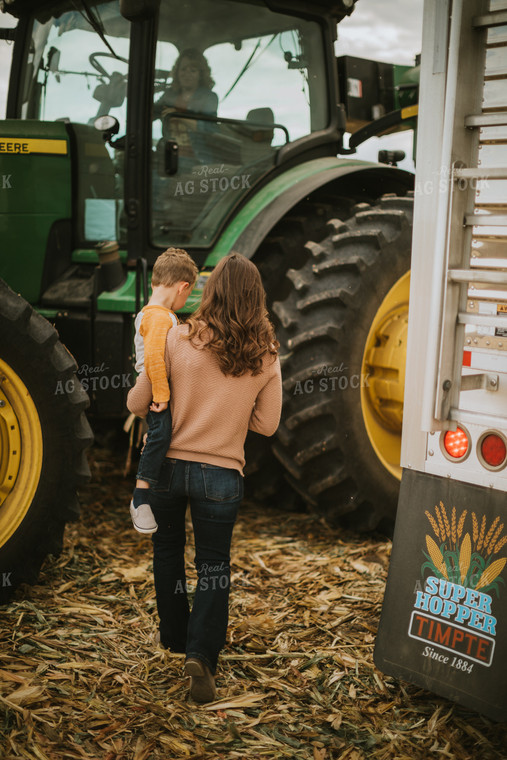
444	619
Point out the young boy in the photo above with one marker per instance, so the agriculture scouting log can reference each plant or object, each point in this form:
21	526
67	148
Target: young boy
174	275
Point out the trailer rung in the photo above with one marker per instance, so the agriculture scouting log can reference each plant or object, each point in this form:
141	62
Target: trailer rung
485	173
482	320
496	45
489	262
491	277
485	420
495	75
486	120
486	220
489	20
491	208
491	238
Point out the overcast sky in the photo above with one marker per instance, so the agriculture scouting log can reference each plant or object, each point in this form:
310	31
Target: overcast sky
386	31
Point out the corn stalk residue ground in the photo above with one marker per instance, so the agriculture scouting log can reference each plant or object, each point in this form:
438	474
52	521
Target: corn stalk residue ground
81	678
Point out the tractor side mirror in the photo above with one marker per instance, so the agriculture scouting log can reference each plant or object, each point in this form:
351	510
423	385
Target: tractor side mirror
391	157
109	126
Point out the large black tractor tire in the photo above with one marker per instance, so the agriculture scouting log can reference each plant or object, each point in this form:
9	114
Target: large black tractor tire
43	437
343	341
283	249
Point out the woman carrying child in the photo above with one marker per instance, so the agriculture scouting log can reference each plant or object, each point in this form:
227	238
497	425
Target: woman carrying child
225	379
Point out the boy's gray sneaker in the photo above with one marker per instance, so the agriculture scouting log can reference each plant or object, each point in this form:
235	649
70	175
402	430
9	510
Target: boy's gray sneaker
143	519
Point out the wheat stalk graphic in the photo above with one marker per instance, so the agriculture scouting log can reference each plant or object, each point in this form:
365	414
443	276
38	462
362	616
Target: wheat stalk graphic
440	523
453	525
481	534
446	521
496	536
490	531
461	522
475	528
433	523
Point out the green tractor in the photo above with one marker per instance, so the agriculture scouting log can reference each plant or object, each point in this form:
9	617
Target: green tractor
108	157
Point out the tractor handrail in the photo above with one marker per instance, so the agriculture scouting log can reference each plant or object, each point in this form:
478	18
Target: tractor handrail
141	274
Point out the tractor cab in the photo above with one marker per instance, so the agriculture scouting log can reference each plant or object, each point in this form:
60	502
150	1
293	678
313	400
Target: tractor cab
174	115
255	87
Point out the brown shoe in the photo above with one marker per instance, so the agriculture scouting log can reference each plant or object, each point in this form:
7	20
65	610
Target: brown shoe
202	684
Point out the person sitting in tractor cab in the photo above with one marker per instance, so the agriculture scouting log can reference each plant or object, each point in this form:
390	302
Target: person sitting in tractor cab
191	90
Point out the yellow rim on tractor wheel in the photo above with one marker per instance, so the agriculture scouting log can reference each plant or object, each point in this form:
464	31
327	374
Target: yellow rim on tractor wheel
383	366
20	451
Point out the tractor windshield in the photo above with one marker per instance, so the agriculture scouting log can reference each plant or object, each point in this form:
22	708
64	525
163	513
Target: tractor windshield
234	83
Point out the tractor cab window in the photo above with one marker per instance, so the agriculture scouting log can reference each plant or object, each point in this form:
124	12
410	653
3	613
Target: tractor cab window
76	69
234	83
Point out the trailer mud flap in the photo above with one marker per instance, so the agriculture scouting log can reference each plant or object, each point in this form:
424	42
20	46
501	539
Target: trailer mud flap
444	619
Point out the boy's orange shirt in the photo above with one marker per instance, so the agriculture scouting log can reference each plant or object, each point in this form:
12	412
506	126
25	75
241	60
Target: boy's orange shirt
156	323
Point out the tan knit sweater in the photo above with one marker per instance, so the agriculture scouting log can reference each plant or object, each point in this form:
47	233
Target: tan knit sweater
212	412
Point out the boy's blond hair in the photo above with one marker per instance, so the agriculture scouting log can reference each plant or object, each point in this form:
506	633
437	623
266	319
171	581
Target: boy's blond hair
172	266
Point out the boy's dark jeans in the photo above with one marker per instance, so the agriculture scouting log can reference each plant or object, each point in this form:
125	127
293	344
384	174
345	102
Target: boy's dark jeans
156	446
215	494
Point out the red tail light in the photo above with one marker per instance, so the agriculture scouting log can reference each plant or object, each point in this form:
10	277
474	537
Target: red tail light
456	443
493	450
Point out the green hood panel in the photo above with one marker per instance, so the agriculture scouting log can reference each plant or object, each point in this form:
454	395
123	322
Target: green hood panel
35	192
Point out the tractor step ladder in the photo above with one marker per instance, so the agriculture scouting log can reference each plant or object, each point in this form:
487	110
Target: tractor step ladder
472	282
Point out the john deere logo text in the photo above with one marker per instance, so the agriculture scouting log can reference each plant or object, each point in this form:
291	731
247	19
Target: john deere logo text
26	146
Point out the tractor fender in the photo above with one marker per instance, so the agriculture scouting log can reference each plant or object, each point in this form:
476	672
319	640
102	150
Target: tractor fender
345	177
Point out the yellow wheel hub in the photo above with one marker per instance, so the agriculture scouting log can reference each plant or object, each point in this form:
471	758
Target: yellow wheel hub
384	364
20	451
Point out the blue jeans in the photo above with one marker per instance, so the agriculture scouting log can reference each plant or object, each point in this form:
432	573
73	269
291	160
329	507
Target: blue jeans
214	494
156	446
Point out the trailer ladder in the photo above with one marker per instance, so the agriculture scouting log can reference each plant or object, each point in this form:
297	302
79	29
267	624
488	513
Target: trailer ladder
471	226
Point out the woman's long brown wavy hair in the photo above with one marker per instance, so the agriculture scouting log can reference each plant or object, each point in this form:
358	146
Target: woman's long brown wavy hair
197	58
232	319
